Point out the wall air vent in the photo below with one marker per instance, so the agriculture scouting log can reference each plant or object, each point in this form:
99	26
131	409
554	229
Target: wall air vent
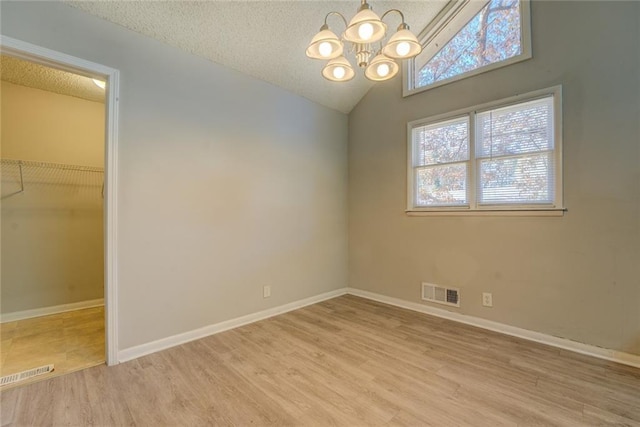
441	294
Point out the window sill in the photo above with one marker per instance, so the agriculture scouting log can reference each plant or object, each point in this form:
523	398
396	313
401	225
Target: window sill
488	212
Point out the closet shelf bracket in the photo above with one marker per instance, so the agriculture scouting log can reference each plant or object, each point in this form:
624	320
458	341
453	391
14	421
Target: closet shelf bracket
21	190
21	179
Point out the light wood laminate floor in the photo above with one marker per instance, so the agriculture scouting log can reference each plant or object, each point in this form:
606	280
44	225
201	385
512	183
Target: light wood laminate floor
346	361
70	341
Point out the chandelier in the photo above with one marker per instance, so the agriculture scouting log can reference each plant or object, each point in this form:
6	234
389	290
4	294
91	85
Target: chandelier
365	34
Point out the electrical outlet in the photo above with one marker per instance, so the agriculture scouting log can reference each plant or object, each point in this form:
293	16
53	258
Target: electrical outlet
487	299
266	292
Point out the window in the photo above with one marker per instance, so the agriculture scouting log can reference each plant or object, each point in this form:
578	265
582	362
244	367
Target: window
441	157
504	156
469	38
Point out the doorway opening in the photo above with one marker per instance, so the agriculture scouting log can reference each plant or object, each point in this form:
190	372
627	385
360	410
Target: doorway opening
58	281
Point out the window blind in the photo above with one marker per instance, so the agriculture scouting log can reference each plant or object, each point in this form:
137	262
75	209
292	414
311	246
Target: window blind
515	154
441	163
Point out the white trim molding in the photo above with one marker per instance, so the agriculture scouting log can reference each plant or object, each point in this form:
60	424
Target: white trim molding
59	60
47	311
563	343
172	341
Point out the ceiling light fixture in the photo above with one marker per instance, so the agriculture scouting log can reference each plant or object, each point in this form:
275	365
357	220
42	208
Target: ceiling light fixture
100	83
365	33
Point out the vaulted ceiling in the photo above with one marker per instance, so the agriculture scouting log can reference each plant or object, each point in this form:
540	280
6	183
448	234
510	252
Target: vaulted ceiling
264	39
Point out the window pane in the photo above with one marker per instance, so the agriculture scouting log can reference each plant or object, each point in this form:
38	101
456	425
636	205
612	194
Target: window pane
517	129
525	179
493	35
441	185
441	143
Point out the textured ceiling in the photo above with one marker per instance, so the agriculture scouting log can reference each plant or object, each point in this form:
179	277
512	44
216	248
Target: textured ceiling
24	73
264	39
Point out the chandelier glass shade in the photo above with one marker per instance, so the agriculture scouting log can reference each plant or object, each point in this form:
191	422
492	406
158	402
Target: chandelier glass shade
364	36
338	70
381	68
403	44
365	27
325	45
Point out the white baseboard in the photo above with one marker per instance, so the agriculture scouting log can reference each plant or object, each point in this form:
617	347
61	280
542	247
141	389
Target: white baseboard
563	343
172	341
46	311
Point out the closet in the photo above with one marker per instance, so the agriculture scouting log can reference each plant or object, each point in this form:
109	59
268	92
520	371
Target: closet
52	232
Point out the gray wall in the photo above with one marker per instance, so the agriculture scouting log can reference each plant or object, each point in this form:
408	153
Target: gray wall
577	276
226	183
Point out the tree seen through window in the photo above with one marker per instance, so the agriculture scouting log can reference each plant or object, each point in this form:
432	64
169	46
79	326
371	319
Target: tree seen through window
493	35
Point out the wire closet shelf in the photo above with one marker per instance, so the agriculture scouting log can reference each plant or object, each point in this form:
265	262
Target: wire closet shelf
18	176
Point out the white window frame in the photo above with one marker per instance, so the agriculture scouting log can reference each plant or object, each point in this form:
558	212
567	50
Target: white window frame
455	15
554	209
